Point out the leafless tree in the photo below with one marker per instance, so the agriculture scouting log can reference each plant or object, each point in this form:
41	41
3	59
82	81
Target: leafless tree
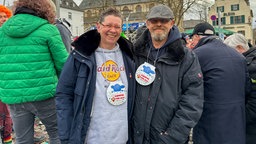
199	10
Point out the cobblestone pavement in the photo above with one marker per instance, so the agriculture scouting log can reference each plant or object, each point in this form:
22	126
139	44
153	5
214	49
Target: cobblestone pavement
40	136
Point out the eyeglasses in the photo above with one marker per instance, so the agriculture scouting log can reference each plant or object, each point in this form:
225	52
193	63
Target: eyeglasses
109	26
156	20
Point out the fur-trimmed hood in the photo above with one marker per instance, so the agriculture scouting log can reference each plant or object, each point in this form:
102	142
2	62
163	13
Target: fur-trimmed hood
88	42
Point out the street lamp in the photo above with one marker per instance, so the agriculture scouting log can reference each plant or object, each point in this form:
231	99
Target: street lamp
127	19
221	35
58	8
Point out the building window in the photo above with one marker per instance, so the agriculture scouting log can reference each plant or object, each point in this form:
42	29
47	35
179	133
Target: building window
126	10
151	5
223	21
235	7
237	19
138	8
221	9
67	3
216	22
100	11
70	15
89	13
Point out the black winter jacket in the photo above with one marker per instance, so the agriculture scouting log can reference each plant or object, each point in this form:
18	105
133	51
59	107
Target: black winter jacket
250	56
167	109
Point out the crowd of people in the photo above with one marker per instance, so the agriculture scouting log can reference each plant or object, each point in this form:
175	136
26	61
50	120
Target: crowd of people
102	88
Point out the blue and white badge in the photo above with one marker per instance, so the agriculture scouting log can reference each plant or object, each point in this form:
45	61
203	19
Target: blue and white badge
116	93
145	74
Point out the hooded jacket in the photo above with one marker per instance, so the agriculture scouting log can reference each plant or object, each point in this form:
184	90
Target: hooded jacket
76	87
65	33
167	109
31	58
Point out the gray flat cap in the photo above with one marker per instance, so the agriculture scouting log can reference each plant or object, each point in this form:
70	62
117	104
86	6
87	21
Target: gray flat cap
160	11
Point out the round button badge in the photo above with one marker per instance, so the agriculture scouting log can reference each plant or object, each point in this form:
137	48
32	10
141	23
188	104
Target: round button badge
145	74
116	93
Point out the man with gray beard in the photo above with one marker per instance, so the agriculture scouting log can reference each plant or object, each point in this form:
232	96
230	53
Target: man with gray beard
169	96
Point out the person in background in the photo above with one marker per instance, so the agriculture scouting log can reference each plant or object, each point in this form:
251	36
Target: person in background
5	13
139	32
32	56
240	44
225	78
95	93
190	44
186	40
5	118
169	96
63	27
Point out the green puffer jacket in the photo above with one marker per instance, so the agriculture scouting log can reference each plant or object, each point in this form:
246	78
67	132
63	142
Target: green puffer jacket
31	58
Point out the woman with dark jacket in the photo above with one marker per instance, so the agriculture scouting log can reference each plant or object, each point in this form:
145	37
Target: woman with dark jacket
96	88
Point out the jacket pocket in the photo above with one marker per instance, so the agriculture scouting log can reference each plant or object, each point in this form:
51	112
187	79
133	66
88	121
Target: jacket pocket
82	78
155	136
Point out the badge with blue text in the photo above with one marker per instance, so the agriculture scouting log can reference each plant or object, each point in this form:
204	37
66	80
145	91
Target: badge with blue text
145	74
116	93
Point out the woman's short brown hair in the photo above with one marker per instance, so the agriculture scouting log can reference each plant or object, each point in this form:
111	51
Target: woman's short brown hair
43	8
110	11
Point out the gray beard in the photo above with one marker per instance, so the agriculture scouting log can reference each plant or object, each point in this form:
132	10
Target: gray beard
159	37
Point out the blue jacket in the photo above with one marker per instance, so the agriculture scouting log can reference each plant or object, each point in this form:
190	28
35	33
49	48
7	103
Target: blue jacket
75	90
224	71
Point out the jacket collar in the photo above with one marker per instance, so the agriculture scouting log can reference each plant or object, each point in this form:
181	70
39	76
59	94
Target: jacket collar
205	40
88	42
25	10
251	52
174	50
